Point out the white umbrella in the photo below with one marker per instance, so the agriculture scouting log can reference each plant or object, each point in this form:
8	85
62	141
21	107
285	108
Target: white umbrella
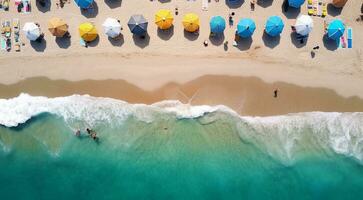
112	27
304	25
32	31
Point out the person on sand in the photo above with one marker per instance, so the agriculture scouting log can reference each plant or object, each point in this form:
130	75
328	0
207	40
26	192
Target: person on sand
276	93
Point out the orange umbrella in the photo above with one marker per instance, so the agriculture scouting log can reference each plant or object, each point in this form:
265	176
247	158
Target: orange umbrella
339	3
57	27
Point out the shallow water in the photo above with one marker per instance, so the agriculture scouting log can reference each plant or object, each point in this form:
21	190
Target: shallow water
174	151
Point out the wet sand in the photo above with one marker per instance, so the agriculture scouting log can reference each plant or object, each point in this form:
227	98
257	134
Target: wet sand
246	95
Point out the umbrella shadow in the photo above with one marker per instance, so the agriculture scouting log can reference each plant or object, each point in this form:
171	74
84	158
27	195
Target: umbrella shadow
63	42
298	40
217	40
166	34
94	42
43	5
264	3
141	41
329	43
113	3
290	12
118	41
269	41
244	44
234	4
334	11
40	45
192	36
90	12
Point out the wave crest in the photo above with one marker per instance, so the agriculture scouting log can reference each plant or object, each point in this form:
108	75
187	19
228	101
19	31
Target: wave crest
280	136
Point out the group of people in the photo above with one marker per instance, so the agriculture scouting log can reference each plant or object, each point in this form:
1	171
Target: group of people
90	133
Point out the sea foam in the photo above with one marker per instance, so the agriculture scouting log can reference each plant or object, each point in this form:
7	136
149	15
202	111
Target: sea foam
278	135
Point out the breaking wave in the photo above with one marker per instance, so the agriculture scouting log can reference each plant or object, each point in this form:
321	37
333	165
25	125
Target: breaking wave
283	135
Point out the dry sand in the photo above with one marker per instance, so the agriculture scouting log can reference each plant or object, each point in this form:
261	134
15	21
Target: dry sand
178	61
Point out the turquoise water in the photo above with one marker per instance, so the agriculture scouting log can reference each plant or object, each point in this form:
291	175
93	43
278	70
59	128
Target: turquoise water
214	156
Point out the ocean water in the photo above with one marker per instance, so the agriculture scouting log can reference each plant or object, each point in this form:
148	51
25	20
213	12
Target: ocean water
171	150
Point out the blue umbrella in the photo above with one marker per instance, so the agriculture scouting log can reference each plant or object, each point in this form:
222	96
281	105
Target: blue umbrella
274	26
84	3
217	24
336	29
246	27
296	3
137	24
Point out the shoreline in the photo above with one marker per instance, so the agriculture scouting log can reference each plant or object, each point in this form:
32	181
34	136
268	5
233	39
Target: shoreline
246	95
150	71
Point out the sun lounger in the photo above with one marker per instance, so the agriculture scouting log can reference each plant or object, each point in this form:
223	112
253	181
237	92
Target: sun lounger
205	5
319	9
5	4
350	37
324	10
315	8
6	29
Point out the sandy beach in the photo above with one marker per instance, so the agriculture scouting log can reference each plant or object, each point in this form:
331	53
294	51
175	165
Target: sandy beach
175	64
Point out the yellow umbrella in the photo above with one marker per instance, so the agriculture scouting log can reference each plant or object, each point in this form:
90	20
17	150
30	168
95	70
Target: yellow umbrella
88	32
164	19
57	27
191	22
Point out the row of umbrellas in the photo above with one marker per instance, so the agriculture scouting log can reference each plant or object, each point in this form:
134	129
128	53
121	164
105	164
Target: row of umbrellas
84	4
164	20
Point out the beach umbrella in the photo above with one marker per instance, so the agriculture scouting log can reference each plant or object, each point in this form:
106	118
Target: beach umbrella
339	3
164	19
304	25
88	32
296	3
57	27
217	24
274	26
112	27
191	22
32	31
137	24
246	27
336	29
84	3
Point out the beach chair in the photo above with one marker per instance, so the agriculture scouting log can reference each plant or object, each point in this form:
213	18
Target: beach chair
16	28
310	7
5	5
324	10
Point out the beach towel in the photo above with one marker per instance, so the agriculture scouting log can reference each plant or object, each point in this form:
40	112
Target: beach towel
3	43
205	5
350	37
82	42
26	6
